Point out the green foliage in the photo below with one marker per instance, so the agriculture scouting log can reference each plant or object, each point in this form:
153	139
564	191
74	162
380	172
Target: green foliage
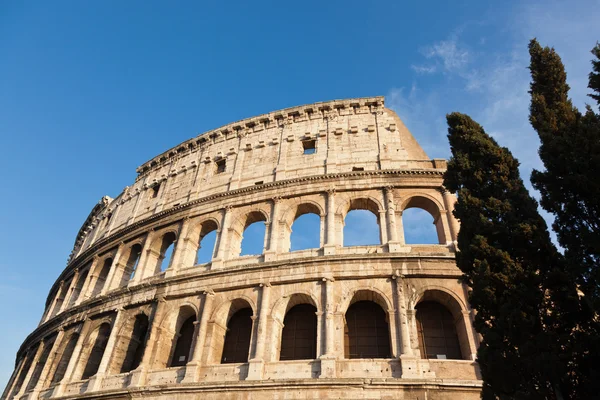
510	264
570	190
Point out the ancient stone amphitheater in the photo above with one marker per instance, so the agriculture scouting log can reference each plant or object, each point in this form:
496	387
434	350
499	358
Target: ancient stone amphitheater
389	320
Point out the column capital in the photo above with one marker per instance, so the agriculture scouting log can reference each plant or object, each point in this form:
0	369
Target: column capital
208	292
277	199
331	191
328	279
264	284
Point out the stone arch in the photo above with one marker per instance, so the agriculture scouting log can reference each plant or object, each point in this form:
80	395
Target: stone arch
455	305
101	273
367	332
219	322
183	338
431	205
279	313
366	293
132	343
295	211
199	231
158	249
134	253
355	202
243	221
94	346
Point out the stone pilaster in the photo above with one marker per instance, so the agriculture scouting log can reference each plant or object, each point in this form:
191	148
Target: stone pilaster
256	364
223	239
330	243
193	368
95	382
72	366
328	360
272	249
183	249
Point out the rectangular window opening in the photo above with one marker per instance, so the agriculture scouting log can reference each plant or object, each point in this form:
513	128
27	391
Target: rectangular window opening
259	183
155	190
220	166
310	146
358	168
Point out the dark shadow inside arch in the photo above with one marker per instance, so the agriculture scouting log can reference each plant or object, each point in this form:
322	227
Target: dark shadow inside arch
236	346
366	331
299	334
137	344
184	338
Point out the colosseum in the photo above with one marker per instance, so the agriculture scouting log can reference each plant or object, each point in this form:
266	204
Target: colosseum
136	313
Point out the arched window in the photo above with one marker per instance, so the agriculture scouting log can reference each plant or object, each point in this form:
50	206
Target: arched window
183	345
95	355
166	251
39	366
366	332
437	331
423	222
361	224
24	370
131	265
419	227
78	286
101	279
137	344
65	357
253	240
306	232
60	296
237	339
299	335
206	242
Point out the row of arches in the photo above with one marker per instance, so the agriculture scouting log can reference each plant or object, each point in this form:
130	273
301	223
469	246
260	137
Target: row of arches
303	225
367	334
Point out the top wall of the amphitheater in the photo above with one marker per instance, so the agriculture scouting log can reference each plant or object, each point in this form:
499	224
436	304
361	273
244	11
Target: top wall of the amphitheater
347	135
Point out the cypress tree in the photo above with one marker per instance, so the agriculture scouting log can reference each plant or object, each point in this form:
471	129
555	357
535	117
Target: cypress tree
513	269
570	190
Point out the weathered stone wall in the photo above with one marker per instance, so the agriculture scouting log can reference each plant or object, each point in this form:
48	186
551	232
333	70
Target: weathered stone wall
364	158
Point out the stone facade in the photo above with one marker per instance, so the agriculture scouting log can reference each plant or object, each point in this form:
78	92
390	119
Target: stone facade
117	319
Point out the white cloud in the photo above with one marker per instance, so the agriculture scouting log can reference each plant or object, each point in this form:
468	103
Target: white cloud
424	69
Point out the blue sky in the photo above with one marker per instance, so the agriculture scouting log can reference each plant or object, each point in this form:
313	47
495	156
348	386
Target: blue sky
91	90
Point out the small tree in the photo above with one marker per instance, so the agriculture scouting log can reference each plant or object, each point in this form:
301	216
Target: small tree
510	264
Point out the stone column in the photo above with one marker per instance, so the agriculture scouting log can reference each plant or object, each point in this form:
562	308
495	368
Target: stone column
36	358
394	243
60	388
223	239
330	243
95	382
402	319
271	253
139	375
192	371
400	229
116	271
183	247
328	360
466	315
383	228
320	335
41	383
256	364
140	272
449	202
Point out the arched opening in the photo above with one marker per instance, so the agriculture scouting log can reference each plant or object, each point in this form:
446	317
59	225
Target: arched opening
39	366
135	252
253	238
166	251
24	370
419	227
306	231
299	334
137	344
78	286
65	357
101	279
422	222
237	339
206	242
95	355
184	338
60	296
366	331
361	224
437	332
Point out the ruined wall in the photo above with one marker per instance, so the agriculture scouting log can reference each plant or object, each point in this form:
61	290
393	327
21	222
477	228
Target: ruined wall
327	159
